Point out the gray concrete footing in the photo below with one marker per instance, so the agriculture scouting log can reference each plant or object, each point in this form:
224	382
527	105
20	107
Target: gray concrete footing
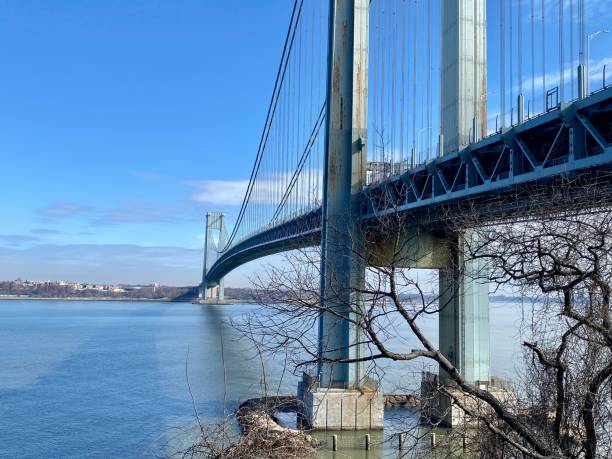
212	301
340	409
437	406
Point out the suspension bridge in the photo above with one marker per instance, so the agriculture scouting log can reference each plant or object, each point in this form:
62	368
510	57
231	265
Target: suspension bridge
362	123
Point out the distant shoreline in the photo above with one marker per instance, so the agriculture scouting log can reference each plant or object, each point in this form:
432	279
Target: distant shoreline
492	299
101	298
149	300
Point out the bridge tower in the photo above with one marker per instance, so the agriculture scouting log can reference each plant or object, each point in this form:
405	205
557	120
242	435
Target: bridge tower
463	295
464	321
339	397
215	222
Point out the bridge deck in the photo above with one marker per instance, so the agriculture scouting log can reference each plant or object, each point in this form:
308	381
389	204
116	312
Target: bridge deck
573	140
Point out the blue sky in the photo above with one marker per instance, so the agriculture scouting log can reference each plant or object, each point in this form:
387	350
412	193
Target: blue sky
113	115
123	122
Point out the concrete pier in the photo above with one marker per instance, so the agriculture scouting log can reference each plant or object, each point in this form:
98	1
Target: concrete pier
328	408
463	289
439	407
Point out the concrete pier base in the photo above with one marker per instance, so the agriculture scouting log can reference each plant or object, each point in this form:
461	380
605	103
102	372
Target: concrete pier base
339	409
438	406
212	301
342	409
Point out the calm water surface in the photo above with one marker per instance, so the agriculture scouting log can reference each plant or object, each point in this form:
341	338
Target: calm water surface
107	379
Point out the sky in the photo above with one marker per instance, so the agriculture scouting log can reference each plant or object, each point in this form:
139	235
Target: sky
123	122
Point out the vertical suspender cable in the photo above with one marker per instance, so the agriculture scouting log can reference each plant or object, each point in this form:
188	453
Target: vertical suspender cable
290	128
520	46
388	95
288	133
476	68
581	29
414	64
374	89
511	61
561	63
393	86
403	83
543	5
298	139
532	105
312	66
281	149
319	82
409	11
502	61
429	128
571	53
382	83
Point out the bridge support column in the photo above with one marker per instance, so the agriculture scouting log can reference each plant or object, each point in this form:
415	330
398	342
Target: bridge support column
464	318
463	333
215	221
464	295
464	322
339	396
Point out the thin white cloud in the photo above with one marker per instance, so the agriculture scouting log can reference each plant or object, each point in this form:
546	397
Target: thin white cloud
64	210
45	231
553	77
219	192
16	240
175	212
268	189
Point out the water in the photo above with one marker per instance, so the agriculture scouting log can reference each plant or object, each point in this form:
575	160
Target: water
108	379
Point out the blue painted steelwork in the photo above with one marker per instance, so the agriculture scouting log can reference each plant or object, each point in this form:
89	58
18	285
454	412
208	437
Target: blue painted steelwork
571	140
576	137
302	231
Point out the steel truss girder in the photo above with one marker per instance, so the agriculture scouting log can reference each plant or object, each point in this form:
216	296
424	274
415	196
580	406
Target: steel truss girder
553	144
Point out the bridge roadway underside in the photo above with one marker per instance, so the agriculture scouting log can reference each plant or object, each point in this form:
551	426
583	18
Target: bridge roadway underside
563	158
427	227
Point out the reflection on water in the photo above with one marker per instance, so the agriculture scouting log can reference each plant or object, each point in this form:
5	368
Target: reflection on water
107	379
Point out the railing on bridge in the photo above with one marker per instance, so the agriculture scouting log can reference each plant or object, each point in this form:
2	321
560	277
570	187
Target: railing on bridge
534	49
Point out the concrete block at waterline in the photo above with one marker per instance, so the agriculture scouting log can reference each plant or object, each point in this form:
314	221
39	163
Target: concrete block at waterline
337	409
437	404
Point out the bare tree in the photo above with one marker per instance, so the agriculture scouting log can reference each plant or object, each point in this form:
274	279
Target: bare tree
562	259
561	409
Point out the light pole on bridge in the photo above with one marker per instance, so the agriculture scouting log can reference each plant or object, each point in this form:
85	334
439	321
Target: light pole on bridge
590	37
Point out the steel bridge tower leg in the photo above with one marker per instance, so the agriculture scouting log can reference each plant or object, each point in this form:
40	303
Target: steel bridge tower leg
464	318
215	221
464	323
336	398
464	296
204	284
